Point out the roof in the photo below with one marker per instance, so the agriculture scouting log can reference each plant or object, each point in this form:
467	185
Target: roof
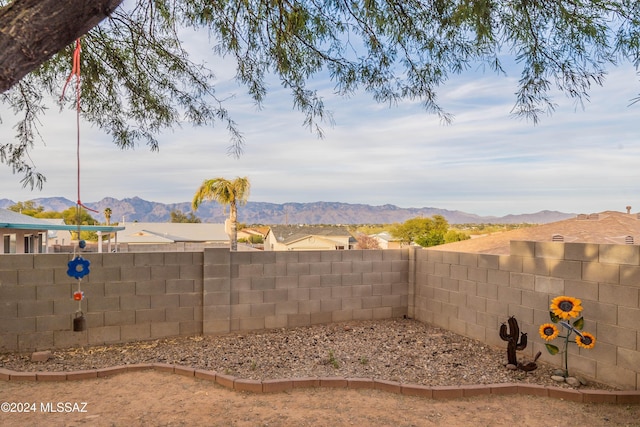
608	227
291	233
385	235
255	231
169	232
18	221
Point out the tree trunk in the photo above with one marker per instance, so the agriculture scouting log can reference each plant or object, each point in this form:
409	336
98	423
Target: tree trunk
233	216
32	31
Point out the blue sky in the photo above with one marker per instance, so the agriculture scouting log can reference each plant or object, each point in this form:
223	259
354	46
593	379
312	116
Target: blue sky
486	162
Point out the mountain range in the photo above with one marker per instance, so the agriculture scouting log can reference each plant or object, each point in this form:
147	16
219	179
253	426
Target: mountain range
137	209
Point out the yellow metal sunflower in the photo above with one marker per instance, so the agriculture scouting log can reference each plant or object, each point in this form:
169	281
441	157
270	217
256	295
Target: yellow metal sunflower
566	307
548	331
586	340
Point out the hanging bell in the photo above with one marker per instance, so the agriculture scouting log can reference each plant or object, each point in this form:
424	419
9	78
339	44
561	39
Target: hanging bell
79	322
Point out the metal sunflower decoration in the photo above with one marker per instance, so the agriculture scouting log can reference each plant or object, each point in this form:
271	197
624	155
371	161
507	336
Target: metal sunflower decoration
563	310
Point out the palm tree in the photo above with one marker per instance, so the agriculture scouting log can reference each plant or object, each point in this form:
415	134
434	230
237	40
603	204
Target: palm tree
225	192
107	215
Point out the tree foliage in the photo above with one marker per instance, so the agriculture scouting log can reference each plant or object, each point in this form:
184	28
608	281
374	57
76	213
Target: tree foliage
138	79
366	242
254	239
422	229
455	236
427	232
71	216
26	208
225	192
49	215
179	216
30	208
488	228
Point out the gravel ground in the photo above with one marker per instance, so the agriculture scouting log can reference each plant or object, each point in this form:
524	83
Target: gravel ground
400	350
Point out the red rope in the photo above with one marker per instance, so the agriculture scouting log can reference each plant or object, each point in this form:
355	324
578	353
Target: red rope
75	71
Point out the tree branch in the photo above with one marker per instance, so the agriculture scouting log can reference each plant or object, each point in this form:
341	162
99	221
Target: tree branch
32	31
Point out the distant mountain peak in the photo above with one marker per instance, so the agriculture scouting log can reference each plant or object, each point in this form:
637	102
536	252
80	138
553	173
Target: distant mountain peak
138	209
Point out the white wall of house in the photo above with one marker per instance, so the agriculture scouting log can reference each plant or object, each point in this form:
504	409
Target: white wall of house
308	243
59	237
24	241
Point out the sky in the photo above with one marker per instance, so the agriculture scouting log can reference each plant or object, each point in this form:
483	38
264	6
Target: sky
486	162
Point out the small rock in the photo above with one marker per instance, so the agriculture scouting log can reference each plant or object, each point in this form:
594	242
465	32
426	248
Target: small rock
559	372
573	381
583	380
511	366
557	378
40	356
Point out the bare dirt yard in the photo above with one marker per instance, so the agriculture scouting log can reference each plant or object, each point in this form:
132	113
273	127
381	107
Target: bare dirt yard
151	398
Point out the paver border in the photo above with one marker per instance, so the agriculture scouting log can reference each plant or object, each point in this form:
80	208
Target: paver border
620	397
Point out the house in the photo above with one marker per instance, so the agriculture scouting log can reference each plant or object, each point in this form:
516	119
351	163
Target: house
150	233
59	237
386	241
25	234
253	234
608	227
308	238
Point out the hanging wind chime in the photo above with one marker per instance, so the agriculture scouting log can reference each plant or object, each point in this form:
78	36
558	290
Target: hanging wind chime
78	267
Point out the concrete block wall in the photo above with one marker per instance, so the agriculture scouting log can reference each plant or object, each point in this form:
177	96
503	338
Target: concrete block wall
473	294
263	290
149	295
137	296
128	297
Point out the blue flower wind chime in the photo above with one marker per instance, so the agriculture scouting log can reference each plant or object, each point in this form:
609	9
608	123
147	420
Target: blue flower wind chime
78	267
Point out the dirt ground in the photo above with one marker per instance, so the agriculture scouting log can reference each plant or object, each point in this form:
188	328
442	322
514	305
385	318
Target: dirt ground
151	398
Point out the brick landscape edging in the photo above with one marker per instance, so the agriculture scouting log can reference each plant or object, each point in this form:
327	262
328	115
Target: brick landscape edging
279	385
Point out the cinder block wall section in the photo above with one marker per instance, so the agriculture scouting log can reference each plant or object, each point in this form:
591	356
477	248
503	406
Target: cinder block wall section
473	294
263	290
140	296
128	297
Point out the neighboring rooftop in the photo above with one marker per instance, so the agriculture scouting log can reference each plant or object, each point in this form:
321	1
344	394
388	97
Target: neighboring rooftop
609	227
291	233
18	221
171	232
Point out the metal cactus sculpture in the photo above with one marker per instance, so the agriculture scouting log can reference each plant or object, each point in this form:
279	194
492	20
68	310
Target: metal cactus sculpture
515	339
